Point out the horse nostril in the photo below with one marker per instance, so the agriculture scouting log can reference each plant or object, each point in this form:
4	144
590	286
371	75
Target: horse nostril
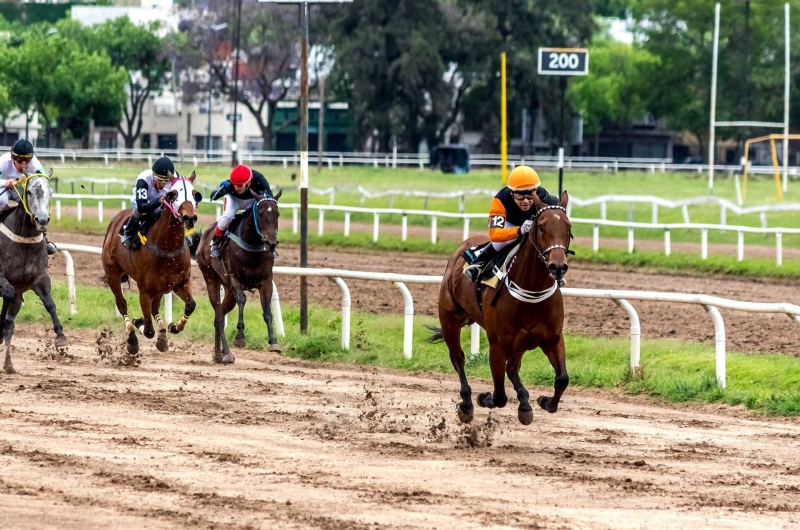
564	268
552	267
194	219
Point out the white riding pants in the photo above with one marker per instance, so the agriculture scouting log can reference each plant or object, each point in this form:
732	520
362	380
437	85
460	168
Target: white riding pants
231	205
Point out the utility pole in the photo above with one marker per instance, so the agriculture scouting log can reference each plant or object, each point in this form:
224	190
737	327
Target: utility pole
321	127
234	147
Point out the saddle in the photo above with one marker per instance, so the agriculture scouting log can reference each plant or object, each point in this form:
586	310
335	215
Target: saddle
237	220
489	271
144	226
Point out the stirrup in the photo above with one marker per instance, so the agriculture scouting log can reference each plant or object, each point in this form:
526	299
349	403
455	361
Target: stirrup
473	272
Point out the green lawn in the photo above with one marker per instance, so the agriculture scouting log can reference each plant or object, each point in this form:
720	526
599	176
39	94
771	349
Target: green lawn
671	370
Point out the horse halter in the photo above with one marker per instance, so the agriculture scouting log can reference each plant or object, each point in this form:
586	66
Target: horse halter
543	253
256	204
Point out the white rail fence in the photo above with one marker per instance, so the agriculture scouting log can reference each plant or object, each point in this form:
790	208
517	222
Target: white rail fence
466	218
711	304
387	160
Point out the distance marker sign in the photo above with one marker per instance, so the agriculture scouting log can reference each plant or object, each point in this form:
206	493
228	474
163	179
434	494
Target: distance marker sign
563	61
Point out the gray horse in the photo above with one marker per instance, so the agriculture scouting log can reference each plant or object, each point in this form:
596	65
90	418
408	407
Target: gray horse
23	260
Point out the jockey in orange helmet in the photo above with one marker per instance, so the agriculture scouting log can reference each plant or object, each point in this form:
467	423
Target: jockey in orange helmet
509	216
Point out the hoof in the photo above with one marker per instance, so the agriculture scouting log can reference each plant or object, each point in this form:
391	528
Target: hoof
133	343
62	342
485	400
9	369
173	329
525	416
162	344
544	402
275	348
240	342
228	358
464	417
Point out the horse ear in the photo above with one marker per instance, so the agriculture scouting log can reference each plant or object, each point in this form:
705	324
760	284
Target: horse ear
278	195
192	177
537	202
564	199
171	196
50	173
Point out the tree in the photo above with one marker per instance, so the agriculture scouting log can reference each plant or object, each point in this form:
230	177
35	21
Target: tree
137	49
617	90
268	57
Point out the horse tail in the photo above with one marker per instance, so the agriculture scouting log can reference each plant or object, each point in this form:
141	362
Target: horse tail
194	243
104	280
436	335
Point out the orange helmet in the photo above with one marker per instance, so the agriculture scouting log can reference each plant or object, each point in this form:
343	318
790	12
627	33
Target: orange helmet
523	178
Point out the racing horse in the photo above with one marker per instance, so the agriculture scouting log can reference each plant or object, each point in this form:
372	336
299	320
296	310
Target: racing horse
162	265
23	266
523	312
246	263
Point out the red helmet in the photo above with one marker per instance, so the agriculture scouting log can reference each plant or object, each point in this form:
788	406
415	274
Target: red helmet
241	175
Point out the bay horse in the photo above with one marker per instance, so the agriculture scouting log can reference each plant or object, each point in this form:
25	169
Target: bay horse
245	263
162	265
23	266
524	312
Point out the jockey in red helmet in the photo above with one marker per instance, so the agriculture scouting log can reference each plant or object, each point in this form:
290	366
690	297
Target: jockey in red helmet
237	196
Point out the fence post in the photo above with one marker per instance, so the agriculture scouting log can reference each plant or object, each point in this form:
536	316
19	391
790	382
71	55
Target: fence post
408	326
704	243
375	163
474	339
466	228
375	227
285	164
723	216
345	312
596	238
100	211
330	165
168	307
433	230
404	227
80	210
58	209
740	246
719	340
616	166
294	220
763	217
630	240
603	210
685	211
62	158
461	203
346	224
321	226
667	243
778	249
277	315
341	160
194	161
636	333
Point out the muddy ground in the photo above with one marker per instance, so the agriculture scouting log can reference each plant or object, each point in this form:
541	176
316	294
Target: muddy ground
272	442
746	332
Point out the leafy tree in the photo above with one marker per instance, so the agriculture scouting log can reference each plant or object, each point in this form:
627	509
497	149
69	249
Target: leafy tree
617	90
137	49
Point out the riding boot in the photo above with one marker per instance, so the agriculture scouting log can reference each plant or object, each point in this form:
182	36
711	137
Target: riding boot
215	246
129	237
51	247
476	267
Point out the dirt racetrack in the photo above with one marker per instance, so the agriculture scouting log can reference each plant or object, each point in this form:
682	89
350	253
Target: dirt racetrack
273	442
746	332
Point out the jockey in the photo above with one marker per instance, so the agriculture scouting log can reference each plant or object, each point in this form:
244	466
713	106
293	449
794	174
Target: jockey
509	216
237	195
15	166
151	186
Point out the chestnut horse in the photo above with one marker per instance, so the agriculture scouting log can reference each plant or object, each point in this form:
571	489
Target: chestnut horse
162	265
524	312
246	263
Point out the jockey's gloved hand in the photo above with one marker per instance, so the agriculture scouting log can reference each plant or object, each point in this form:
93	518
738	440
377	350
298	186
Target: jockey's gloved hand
526	227
224	189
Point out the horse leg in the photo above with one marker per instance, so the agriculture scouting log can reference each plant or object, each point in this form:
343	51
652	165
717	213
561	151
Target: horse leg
115	284
184	291
10	309
227	305
240	341
145	324
42	290
525	411
555	352
162	344
265	293
497	362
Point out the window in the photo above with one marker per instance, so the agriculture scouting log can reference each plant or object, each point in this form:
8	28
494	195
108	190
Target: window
337	142
200	143
286	142
168	141
144	141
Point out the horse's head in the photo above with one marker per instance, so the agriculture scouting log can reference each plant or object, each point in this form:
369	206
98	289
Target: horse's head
266	218
551	234
37	200
182	200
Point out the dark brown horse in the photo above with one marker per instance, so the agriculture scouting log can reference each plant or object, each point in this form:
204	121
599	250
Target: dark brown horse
524	312
162	265
246	263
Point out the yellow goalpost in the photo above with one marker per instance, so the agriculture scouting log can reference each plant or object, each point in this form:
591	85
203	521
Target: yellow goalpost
771	138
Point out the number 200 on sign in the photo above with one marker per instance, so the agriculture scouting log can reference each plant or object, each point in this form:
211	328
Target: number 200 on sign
563	61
